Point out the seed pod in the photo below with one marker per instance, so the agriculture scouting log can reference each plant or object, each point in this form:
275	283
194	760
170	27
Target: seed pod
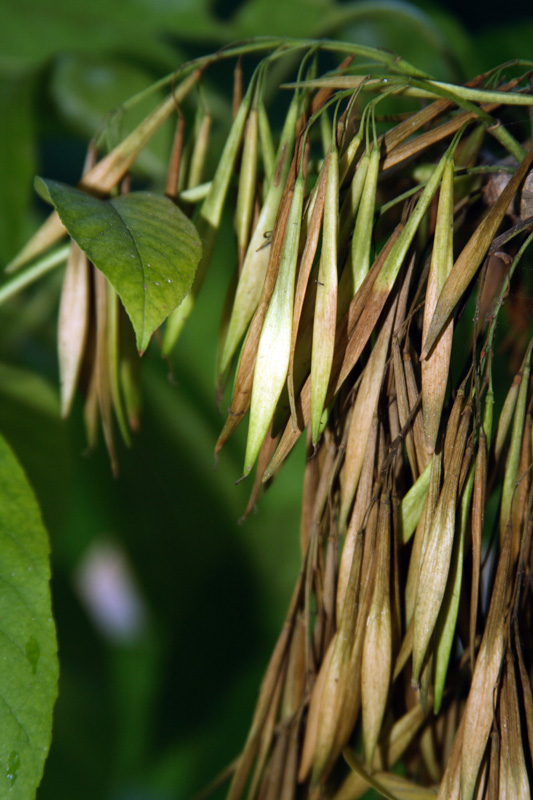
511	468
102	368
377	648
199	150
252	276
175	167
273	351
337	680
478	715
348	350
447	621
435	565
362	502
247	185
113	334
514	780
412	506
422	535
72	324
393	746
304	270
268	152
365	408
326	299
208	221
348	213
506	416
436	367
362	236
404	411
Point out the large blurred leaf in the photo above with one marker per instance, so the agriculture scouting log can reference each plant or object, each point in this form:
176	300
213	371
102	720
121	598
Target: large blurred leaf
31	31
28	650
17	162
142	242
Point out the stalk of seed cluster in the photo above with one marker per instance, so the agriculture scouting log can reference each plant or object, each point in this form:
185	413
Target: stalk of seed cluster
273	352
208	221
326	298
436	367
252	276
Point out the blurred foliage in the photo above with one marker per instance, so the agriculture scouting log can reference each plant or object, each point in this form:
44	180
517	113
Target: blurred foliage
156	716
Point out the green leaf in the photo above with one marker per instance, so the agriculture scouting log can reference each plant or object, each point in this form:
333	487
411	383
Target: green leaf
17	162
142	242
28	648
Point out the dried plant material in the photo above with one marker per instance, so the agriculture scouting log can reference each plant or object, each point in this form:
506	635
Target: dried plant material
412	505
361	506
514	781
199	150
362	235
479	711
404	410
387	784
252	274
478	517
304	270
273	352
513	459
393	745
346	355
447	621
435	565
175	164
102	365
247	184
325	317
208	221
73	324
365	408
377	649
470	259
435	368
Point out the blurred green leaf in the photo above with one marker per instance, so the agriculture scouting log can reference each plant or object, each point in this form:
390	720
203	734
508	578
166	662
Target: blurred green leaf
28	650
87	89
142	242
17	162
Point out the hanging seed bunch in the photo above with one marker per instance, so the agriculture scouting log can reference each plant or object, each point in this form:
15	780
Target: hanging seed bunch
379	308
